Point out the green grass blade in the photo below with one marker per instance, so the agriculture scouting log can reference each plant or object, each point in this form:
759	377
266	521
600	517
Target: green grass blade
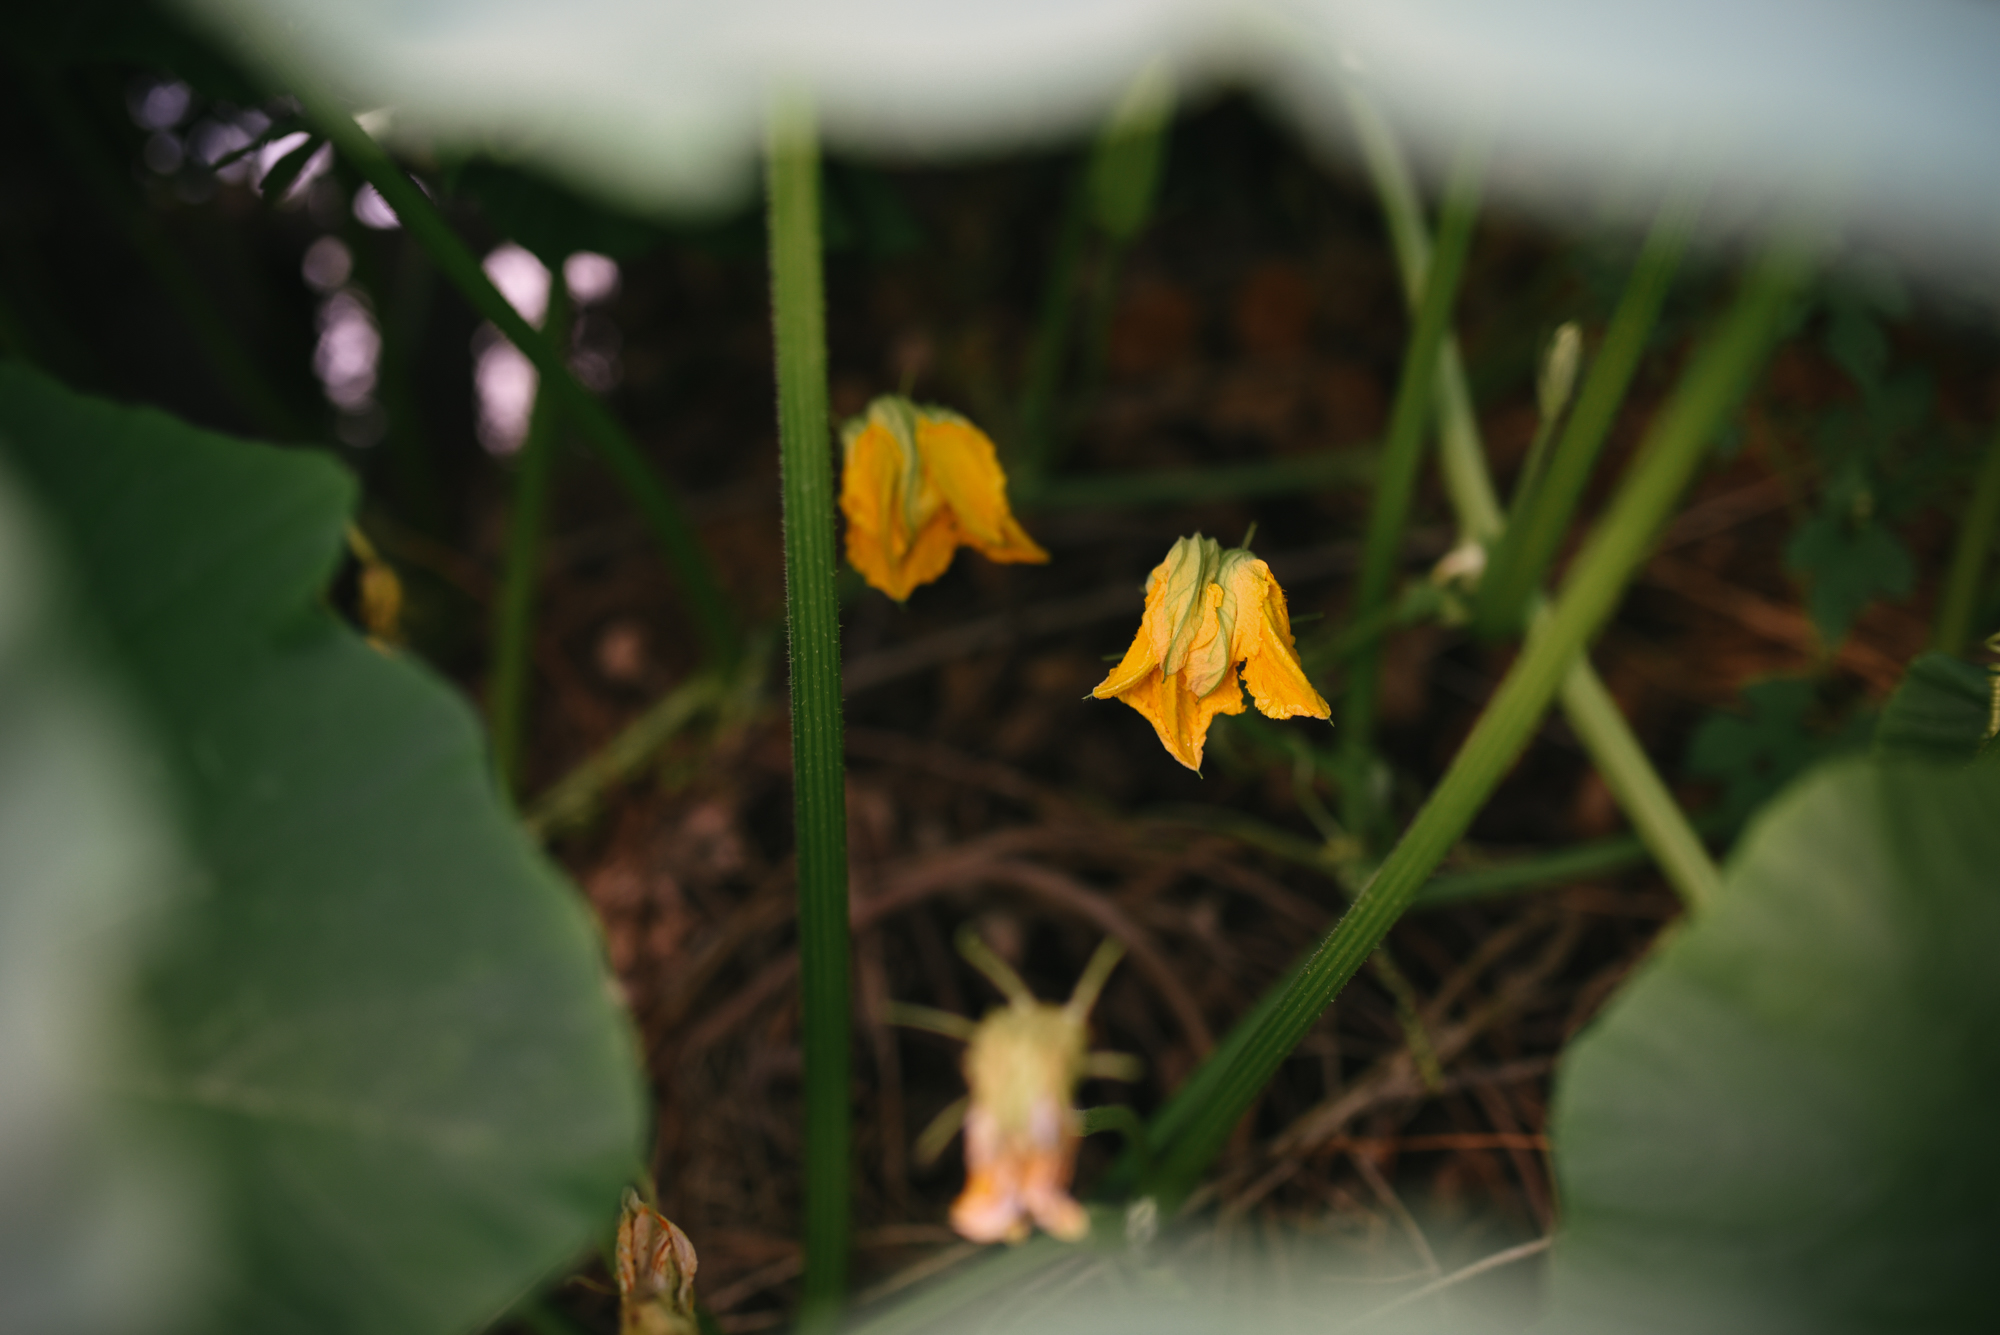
812	614
1715	379
664	511
1181	486
514	619
1522	557
1402	455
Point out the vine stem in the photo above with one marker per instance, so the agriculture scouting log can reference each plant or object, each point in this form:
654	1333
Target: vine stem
671	524
1402	454
1522	556
1675	443
1675	845
812	619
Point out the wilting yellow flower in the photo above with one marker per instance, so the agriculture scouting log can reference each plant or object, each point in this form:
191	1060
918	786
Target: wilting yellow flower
656	1265
1022	1063
916	485
1209	611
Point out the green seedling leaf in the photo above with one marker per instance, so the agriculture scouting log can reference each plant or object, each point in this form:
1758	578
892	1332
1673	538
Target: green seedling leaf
1940	713
384	1016
1757	753
1847	563
1782	1125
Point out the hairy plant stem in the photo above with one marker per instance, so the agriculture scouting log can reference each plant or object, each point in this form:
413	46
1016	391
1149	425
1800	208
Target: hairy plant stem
514	611
665	513
1395	484
812	619
1644	796
1711	385
1970	557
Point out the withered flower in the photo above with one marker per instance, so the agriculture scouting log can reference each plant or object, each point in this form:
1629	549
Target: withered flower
1208	613
1022	1064
656	1265
916	485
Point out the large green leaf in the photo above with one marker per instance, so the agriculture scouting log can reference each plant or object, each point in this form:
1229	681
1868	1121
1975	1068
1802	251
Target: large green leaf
385	1014
1939	712
99	1233
1785	1123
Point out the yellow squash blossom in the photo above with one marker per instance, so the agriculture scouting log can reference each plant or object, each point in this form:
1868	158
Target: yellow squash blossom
656	1265
1209	612
916	485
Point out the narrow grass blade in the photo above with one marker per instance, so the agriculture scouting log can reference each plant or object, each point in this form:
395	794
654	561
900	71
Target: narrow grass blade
1402	454
664	511
514	621
1536	530
1180	486
812	615
1710	387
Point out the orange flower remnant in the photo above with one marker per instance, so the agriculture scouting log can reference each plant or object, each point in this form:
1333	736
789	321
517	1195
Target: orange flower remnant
917	484
1209	611
1022	1064
656	1265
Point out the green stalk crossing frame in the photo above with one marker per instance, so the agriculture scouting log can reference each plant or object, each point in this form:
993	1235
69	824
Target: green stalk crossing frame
812	617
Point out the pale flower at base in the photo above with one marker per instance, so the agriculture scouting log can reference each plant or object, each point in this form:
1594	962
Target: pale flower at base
1022	1064
1209	613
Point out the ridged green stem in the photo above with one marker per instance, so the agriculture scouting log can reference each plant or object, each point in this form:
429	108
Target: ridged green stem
1640	792
1396	480
1521	558
1970	558
1675	443
812	620
671	524
514	612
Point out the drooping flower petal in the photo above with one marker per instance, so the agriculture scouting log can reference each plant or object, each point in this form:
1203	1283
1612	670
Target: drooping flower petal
1264	644
917	484
1207	612
966	470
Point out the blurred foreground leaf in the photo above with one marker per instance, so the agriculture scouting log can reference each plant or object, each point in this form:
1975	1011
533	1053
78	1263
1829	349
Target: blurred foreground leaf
384	1015
99	1231
1782	1124
1939	713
